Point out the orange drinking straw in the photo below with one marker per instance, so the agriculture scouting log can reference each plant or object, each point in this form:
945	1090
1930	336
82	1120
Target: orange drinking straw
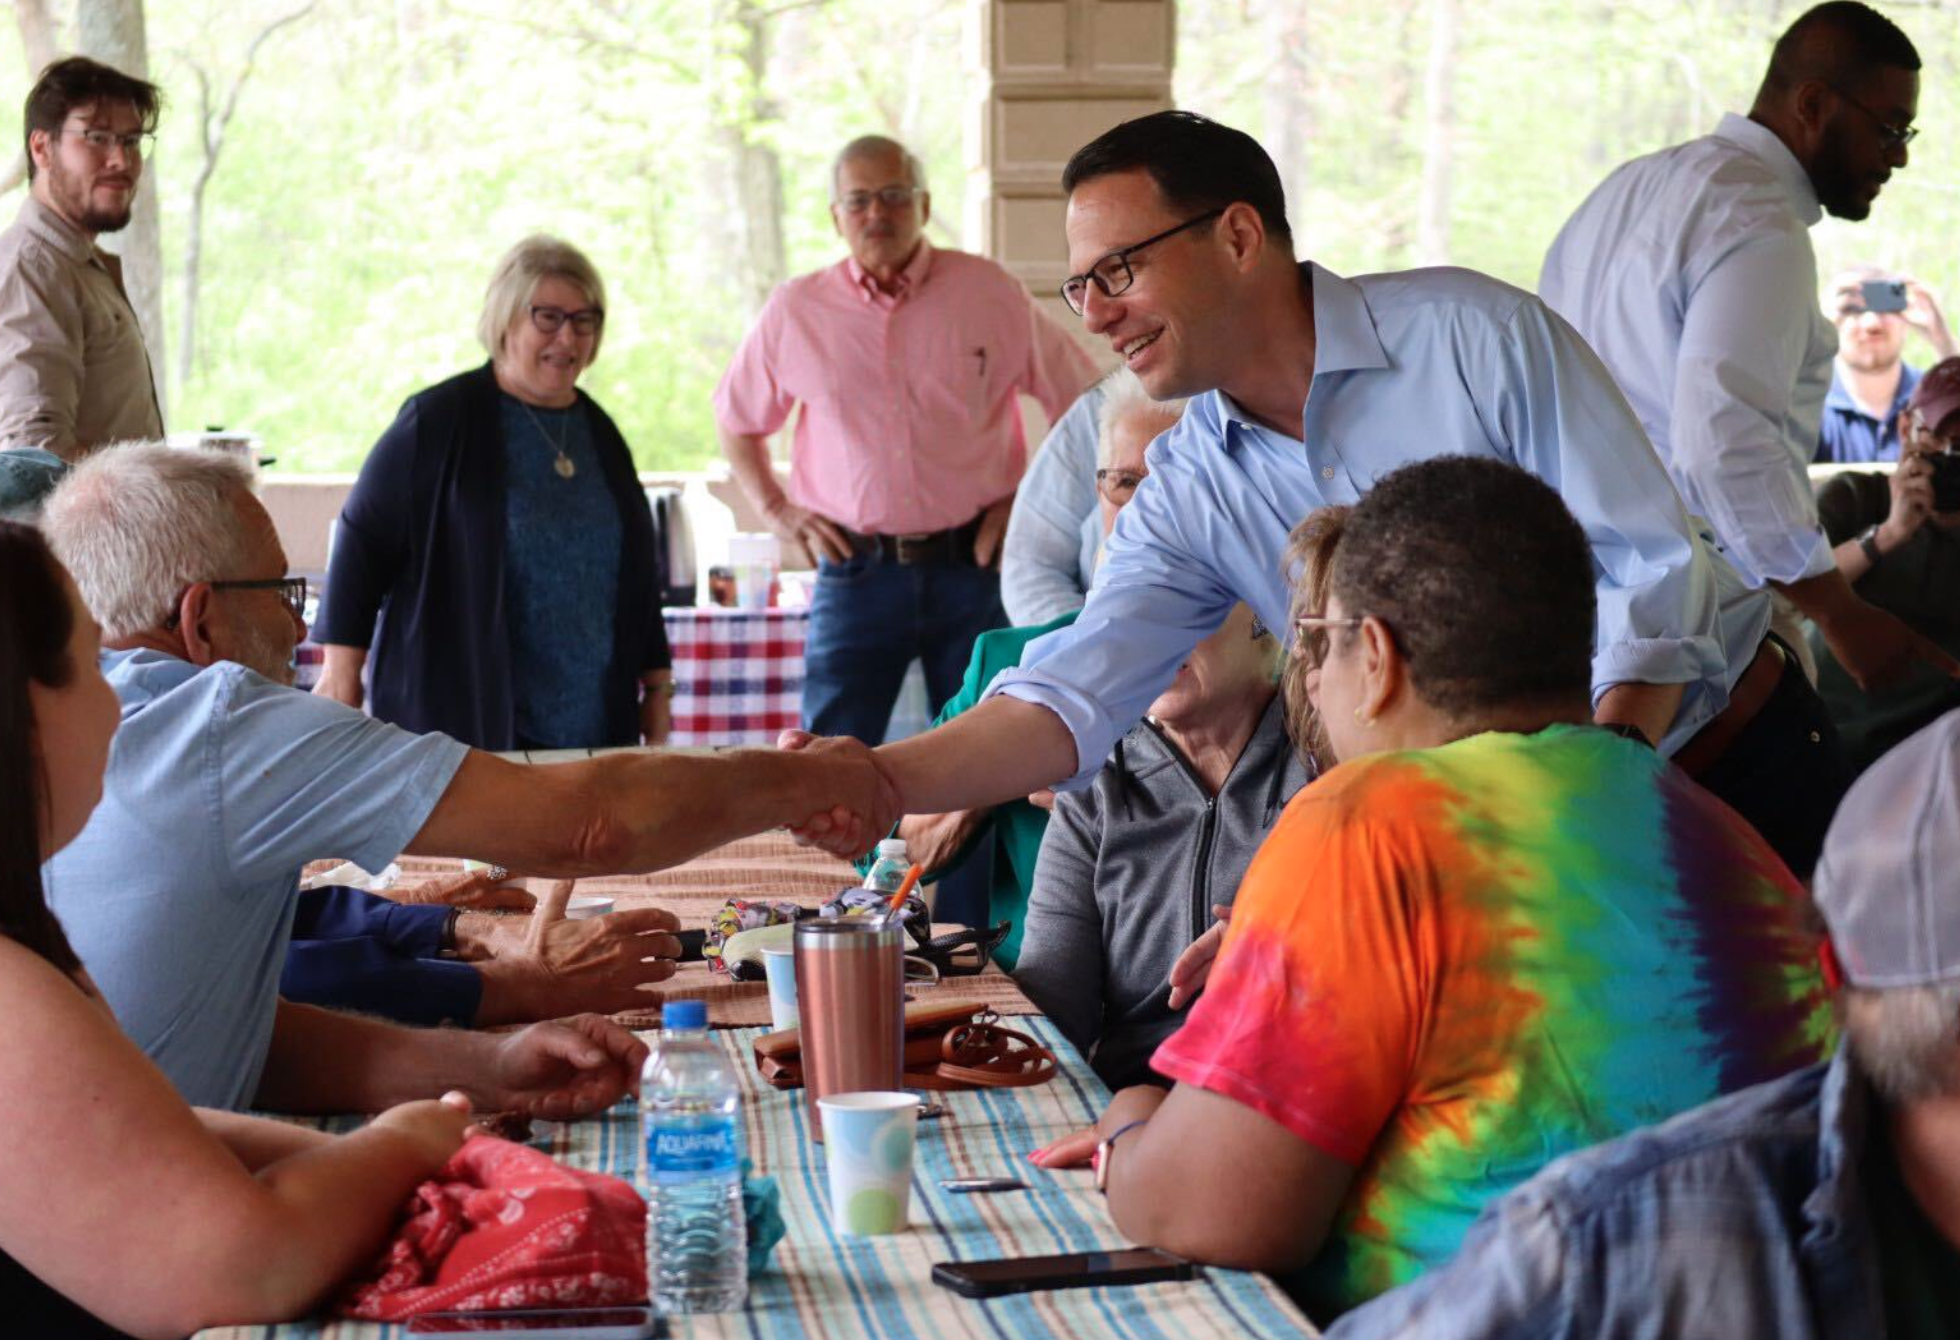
897	903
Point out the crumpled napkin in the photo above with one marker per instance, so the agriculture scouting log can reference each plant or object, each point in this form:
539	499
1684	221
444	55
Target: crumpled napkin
762	1209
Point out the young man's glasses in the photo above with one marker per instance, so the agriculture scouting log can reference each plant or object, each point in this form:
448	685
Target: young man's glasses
551	320
1892	136
292	594
1112	274
136	144
891	197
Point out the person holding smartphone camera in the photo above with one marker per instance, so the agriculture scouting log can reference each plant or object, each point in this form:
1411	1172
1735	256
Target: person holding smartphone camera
1896	538
1870	379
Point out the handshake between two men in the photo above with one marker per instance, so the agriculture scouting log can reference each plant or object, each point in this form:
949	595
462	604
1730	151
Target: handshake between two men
1002	749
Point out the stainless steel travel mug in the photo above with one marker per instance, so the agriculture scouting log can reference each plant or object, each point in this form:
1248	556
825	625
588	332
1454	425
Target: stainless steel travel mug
850	994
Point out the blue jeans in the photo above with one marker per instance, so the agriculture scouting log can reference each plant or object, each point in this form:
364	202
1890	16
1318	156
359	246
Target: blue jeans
870	618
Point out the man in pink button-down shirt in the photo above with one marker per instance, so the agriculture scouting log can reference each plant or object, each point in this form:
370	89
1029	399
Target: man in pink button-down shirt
907	361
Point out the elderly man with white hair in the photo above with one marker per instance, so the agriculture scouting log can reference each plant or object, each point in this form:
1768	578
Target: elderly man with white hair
224	781
907	360
1824	1204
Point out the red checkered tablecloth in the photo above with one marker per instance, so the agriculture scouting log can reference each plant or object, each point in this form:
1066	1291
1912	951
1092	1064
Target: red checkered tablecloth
738	674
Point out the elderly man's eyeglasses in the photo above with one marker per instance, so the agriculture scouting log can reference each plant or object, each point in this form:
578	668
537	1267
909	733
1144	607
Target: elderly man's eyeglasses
1890	134
1112	274
292	594
136	144
551	320
1119	486
891	197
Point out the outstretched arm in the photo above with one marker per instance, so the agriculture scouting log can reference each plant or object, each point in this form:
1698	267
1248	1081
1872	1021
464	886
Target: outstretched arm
638	811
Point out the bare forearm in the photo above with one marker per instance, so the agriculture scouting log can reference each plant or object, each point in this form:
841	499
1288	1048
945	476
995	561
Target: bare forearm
748	461
1001	750
1650	707
623	812
1822	597
340	673
342	658
332	1207
325	1061
258	1141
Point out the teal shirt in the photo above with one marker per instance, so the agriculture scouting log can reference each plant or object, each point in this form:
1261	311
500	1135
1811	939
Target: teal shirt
1015	828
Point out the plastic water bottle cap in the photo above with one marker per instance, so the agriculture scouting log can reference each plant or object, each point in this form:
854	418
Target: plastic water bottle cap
891	849
684	1014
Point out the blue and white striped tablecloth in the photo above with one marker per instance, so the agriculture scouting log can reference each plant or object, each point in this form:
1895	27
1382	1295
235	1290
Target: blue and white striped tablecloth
821	1284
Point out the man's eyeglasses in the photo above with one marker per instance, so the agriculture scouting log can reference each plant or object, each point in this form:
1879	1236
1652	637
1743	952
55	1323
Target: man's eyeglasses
1890	135
1118	485
292	594
1320	623
1112	274
551	320
891	197
136	144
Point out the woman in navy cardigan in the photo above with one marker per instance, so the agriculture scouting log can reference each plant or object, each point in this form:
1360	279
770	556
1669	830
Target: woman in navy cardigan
499	538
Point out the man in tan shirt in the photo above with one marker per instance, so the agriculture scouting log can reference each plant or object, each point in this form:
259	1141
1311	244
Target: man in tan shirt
74	372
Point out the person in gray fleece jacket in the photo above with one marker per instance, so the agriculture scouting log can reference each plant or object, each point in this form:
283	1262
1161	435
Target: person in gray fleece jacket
1134	867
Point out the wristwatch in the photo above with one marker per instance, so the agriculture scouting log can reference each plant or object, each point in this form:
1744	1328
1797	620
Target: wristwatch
1868	541
1103	1151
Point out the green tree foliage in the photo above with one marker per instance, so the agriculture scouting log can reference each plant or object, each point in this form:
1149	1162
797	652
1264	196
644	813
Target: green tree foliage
1550	95
385	152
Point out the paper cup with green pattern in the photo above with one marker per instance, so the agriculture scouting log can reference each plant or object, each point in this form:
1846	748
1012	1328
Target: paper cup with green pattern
868	1140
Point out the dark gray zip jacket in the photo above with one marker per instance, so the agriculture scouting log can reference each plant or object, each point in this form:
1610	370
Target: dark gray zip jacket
1129	870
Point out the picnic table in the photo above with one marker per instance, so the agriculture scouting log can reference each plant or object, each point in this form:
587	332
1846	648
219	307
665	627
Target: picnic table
822	1284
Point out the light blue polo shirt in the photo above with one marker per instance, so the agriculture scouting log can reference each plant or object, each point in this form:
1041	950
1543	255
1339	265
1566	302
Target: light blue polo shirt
179	894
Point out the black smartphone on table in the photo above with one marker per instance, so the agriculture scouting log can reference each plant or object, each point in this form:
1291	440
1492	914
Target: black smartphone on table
630	1322
1074	1270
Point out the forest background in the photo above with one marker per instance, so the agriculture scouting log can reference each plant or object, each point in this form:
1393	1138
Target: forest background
335	178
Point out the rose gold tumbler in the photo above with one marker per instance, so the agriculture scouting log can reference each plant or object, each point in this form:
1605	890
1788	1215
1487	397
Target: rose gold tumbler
850	992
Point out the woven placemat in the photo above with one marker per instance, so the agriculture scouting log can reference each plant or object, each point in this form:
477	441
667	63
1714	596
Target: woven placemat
768	866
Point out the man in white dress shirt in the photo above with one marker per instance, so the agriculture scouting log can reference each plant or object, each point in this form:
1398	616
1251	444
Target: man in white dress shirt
1691	272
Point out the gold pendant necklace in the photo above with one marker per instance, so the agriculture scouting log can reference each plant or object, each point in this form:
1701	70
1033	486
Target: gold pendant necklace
564	464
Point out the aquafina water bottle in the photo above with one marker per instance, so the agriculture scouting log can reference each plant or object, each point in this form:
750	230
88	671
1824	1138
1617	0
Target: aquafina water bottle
690	1109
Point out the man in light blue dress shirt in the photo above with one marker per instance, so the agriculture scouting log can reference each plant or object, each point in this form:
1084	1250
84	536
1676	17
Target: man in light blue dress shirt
1691	272
1319	385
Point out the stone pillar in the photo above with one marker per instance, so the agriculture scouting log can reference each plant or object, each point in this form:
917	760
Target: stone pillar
1052	75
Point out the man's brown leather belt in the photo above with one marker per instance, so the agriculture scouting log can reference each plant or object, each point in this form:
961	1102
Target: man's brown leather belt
1746	699
952	547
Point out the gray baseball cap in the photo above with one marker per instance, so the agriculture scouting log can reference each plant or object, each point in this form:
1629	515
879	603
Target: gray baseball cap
1888	883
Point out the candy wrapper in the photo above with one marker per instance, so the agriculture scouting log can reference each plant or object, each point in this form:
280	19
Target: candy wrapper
742	914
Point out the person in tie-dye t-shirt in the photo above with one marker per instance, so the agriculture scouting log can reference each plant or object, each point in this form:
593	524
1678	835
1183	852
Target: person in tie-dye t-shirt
1494	934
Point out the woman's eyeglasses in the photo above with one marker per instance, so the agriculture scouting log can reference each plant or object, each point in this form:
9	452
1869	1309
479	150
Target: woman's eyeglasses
551	320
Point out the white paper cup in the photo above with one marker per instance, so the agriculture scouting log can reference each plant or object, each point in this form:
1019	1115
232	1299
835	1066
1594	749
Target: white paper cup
780	965
868	1143
582	905
752	583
